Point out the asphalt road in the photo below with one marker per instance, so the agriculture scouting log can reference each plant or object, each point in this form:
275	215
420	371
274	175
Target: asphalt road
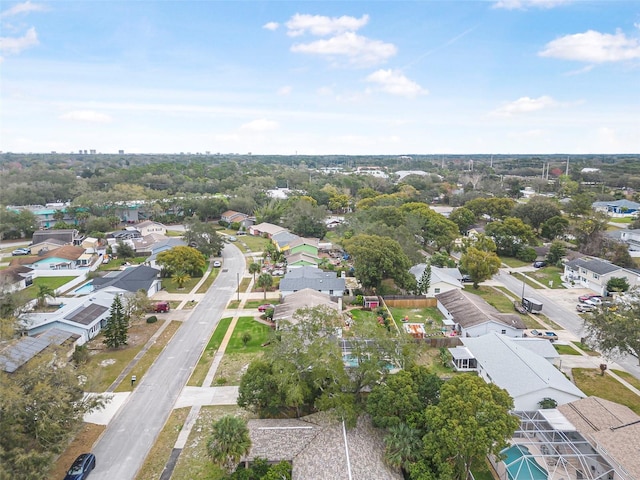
122	449
567	319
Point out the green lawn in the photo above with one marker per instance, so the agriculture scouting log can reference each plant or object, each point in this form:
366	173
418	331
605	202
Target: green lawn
209	281
204	363
527	280
621	220
513	262
53	283
565	350
592	383
431	317
257	303
259	335
586	349
628	378
170	286
116	263
548	274
254	243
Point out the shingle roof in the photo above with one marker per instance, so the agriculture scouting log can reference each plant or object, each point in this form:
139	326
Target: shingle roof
15	273
595	265
268	228
311	277
302	299
469	310
321	449
66	235
611	426
283	238
624	203
302	256
132	279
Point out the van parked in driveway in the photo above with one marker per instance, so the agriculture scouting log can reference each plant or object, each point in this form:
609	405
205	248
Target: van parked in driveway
161	307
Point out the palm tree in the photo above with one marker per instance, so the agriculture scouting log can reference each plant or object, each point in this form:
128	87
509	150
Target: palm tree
265	281
254	268
180	278
229	442
44	291
402	446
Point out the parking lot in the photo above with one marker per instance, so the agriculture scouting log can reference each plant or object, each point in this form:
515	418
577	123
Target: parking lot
566	298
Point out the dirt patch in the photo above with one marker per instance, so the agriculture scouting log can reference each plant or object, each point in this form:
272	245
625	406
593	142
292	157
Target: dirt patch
232	367
82	443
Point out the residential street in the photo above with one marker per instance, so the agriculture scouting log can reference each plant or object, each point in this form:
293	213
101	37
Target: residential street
561	312
129	437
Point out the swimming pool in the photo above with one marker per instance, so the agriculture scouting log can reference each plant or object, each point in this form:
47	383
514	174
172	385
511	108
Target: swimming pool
85	289
521	465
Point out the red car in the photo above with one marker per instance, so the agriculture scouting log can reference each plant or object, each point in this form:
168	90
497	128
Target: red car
266	306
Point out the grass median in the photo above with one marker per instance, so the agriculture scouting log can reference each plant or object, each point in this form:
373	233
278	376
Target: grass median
205	360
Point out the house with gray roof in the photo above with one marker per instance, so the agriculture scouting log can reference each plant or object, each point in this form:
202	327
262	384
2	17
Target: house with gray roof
321	448
594	273
472	316
131	280
312	278
442	279
617	208
282	239
84	316
23	350
265	229
15	277
525	375
69	236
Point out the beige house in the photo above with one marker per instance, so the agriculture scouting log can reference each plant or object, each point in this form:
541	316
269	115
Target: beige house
148	227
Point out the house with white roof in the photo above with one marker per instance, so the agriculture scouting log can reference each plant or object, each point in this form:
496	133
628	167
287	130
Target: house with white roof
265	229
148	227
471	316
442	279
84	316
526	376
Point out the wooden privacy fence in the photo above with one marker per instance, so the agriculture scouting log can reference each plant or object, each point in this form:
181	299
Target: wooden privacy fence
406	301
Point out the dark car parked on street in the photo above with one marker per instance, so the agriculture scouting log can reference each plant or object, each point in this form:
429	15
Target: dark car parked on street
81	467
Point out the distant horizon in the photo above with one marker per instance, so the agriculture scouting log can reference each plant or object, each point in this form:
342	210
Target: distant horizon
528	77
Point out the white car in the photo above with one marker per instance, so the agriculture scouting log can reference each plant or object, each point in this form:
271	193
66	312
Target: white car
21	251
217	264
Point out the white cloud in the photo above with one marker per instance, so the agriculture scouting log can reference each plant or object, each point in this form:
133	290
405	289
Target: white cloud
13	45
592	46
360	51
395	83
24	7
524	4
260	125
525	105
286	90
271	26
320	25
86	116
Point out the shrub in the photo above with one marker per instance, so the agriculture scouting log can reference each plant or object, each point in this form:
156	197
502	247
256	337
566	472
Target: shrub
152	319
526	254
221	381
80	354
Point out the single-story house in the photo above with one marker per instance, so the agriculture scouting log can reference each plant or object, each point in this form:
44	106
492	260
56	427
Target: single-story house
304	245
301	259
84	316
148	227
24	349
333	222
265	229
91	244
472	316
442	279
305	298
613	430
594	273
526	376
122	235
70	236
231	216
15	278
321	448
131	280
617	208
282	240
67	257
308	277
631	238
45	246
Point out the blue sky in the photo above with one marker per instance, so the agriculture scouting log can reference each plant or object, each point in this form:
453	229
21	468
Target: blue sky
321	77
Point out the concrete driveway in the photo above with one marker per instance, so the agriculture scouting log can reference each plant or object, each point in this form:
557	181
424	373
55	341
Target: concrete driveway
567	298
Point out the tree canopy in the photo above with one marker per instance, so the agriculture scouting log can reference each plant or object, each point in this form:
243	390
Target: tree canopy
479	264
182	259
203	237
613	332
